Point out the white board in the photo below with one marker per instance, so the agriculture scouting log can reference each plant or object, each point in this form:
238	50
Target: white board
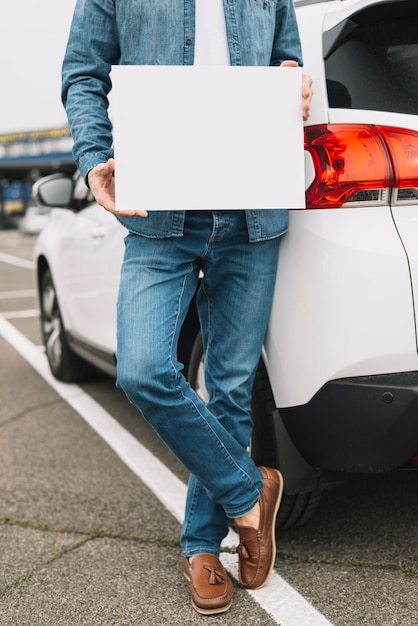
208	138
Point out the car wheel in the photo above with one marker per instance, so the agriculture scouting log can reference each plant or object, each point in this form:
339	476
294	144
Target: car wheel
294	510
63	362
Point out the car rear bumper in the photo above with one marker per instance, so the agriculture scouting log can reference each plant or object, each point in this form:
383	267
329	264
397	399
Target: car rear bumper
361	424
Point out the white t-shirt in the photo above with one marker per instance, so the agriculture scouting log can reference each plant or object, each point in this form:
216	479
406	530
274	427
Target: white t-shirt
211	45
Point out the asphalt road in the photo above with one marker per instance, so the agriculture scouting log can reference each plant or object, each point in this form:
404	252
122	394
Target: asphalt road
86	540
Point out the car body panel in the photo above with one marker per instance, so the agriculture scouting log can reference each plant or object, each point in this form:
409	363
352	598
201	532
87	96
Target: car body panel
341	312
85	261
338	10
34	220
343	304
406	220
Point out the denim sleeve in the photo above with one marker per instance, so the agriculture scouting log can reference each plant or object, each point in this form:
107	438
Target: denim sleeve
91	50
286	39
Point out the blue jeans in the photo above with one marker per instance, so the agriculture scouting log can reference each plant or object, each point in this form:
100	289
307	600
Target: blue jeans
158	280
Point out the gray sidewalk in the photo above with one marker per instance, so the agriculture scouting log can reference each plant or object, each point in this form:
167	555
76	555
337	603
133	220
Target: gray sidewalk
82	540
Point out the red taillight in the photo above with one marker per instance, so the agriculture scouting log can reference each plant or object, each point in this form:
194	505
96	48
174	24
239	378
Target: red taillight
359	164
413	462
403	149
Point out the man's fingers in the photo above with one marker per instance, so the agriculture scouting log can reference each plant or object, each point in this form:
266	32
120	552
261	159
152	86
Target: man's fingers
131	213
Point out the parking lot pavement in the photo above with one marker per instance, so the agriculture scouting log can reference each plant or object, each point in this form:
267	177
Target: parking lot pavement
82	540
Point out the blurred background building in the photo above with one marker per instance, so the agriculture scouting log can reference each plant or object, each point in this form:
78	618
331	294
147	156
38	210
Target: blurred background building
25	157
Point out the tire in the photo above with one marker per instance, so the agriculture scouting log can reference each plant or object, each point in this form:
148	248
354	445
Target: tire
65	365
295	509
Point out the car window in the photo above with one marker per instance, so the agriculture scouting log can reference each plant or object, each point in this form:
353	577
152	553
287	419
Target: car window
371	60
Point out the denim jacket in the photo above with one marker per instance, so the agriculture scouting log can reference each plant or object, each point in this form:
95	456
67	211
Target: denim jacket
161	32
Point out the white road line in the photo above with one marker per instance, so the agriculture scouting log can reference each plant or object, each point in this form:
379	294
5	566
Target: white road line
9	315
283	603
22	293
15	260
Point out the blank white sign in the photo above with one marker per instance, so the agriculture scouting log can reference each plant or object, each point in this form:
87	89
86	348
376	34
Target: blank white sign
208	138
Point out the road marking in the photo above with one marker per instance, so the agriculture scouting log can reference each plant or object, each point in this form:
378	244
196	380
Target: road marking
22	293
283	603
9	315
18	261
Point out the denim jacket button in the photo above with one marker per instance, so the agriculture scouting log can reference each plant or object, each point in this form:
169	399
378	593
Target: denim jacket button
188	41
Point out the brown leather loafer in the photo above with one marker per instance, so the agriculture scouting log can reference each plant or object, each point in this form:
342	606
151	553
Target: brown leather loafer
257	547
210	586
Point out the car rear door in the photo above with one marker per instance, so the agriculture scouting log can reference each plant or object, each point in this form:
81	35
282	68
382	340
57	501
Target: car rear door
371	61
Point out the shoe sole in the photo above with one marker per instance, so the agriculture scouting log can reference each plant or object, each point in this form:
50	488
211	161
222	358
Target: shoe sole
221	609
273	528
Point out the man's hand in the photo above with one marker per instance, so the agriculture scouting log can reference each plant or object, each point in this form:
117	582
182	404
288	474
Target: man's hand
102	184
307	91
307	94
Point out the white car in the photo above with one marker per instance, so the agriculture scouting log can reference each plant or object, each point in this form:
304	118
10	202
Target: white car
34	220
337	387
